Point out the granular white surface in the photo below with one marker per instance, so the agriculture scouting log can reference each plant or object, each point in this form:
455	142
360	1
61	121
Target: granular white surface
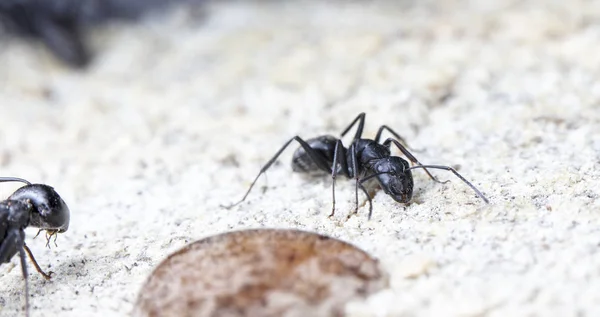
179	112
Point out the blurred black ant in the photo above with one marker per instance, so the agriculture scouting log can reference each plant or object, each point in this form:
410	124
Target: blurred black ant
364	160
55	24
62	25
35	205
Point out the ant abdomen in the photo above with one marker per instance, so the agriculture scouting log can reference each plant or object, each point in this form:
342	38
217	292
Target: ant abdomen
302	161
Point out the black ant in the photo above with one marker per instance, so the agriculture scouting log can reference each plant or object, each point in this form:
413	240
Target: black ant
364	160
63	25
35	205
56	24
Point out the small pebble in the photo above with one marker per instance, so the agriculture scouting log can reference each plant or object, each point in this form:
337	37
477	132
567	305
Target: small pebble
261	272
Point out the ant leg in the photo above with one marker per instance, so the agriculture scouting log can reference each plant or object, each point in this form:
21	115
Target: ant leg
25	277
368	198
394	133
360	183
10	244
355	171
448	168
361	124
37	267
411	157
339	156
314	155
14	239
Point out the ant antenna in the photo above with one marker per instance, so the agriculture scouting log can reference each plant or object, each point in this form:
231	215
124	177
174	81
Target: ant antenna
14	179
448	168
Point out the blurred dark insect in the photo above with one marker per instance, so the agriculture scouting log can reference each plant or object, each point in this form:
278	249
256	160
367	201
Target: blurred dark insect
61	24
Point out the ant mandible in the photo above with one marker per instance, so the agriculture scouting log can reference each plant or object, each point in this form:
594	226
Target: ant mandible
35	205
363	160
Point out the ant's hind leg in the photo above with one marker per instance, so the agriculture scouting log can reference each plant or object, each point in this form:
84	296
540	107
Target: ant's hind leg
411	157
314	155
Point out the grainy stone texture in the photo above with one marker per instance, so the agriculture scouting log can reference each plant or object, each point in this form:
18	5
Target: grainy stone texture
267	272
178	113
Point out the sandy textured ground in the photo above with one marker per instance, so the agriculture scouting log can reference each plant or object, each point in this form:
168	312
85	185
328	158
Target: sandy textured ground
178	113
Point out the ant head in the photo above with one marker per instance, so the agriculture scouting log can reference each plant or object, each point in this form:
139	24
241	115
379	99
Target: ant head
50	211
395	178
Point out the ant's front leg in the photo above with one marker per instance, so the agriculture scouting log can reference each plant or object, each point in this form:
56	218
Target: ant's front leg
411	157
394	133
37	267
369	199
